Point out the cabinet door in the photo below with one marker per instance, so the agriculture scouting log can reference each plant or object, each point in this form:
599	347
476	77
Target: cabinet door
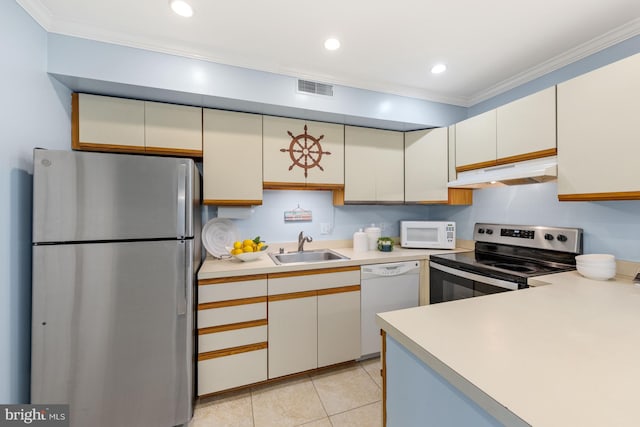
107	123
173	129
476	141
232	370
426	166
293	334
327	155
527	127
374	165
303	152
338	325
280	164
232	158
598	134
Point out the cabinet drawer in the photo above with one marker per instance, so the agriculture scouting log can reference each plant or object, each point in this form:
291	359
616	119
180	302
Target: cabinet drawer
231	288
235	370
231	314
231	338
301	281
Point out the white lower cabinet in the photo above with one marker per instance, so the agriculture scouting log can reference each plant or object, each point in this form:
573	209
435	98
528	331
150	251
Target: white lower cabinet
293	337
232	333
226	372
338	327
314	319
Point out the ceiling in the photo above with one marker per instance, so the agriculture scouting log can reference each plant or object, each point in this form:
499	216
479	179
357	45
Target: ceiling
488	46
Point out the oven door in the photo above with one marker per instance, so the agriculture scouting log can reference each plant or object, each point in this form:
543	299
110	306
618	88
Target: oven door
449	284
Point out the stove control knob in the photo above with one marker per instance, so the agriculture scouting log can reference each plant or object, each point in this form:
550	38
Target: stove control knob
489	231
480	230
548	237
562	238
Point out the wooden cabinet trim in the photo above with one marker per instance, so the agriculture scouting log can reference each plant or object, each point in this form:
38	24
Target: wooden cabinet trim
586	197
75	121
528	156
293	295
342	289
460	196
473	166
88	146
232	202
222	280
267	185
233	326
173	151
232	351
383	372
310	272
231	303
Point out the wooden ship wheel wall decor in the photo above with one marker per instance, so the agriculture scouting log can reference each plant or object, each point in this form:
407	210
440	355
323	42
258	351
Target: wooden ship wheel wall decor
305	151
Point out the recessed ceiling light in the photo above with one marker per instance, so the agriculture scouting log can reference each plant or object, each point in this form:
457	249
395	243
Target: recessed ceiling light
438	68
181	7
332	44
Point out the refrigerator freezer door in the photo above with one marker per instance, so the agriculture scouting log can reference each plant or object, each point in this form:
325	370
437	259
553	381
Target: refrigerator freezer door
112	332
95	196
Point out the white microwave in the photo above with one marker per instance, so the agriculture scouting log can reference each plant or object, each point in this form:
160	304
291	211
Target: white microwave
428	234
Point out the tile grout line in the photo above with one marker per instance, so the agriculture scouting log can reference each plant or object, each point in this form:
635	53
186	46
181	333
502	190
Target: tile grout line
320	399
253	414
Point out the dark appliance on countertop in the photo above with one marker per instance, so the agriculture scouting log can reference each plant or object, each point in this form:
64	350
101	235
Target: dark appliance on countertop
116	244
505	257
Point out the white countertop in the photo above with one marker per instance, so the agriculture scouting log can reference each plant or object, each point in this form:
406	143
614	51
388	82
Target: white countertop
215	268
565	355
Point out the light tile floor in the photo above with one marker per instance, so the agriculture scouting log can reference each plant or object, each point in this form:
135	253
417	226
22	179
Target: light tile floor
348	396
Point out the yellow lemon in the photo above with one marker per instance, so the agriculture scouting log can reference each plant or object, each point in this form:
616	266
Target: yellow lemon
237	245
260	245
248	249
236	251
247	242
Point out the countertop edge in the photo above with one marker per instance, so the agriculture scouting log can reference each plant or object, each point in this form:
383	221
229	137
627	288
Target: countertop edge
482	399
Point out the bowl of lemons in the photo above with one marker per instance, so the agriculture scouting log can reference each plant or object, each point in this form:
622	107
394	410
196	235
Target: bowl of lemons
248	250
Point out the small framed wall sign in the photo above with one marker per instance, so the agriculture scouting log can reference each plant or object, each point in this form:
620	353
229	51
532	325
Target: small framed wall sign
298	214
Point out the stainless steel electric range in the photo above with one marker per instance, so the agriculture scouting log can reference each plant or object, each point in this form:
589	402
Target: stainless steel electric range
504	259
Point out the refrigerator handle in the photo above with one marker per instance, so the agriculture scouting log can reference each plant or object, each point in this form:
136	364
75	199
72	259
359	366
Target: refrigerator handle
183	291
182	200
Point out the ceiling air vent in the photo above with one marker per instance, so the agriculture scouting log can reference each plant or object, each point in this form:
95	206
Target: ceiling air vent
315	88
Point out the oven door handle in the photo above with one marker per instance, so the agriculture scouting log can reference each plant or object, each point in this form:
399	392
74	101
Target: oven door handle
475	277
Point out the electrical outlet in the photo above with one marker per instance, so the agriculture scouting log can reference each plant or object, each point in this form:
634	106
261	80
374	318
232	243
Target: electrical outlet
325	228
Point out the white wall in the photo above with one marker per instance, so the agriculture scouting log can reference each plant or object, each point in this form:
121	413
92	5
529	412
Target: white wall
35	112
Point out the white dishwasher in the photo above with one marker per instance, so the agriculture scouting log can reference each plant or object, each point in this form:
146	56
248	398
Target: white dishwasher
385	287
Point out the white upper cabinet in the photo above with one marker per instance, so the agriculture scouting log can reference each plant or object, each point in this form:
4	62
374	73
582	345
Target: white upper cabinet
527	126
598	134
171	128
476	141
374	165
521	130
107	123
302	153
426	166
232	158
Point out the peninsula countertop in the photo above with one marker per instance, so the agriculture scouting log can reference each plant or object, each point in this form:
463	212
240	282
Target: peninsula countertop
567	354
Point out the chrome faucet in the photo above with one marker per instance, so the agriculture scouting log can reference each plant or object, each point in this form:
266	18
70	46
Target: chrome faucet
302	239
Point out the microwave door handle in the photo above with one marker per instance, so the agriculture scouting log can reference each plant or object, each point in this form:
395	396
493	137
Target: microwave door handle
476	277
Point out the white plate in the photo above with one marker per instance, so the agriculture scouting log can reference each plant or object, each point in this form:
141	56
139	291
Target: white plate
217	234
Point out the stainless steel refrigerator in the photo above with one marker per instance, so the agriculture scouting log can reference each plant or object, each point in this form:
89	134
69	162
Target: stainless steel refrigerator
115	248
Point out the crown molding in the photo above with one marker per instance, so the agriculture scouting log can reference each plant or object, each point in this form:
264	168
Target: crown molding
597	44
38	11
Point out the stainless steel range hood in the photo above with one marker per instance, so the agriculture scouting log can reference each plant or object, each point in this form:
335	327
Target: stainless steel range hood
526	172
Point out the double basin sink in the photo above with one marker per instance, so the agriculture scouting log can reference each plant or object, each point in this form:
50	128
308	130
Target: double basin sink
317	255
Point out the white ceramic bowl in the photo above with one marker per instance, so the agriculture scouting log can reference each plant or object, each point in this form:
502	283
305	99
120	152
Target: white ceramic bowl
249	256
595	259
597	273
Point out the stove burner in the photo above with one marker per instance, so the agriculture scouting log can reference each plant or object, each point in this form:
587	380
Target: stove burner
514	267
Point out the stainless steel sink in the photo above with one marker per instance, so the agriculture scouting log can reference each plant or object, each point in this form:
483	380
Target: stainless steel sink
317	255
